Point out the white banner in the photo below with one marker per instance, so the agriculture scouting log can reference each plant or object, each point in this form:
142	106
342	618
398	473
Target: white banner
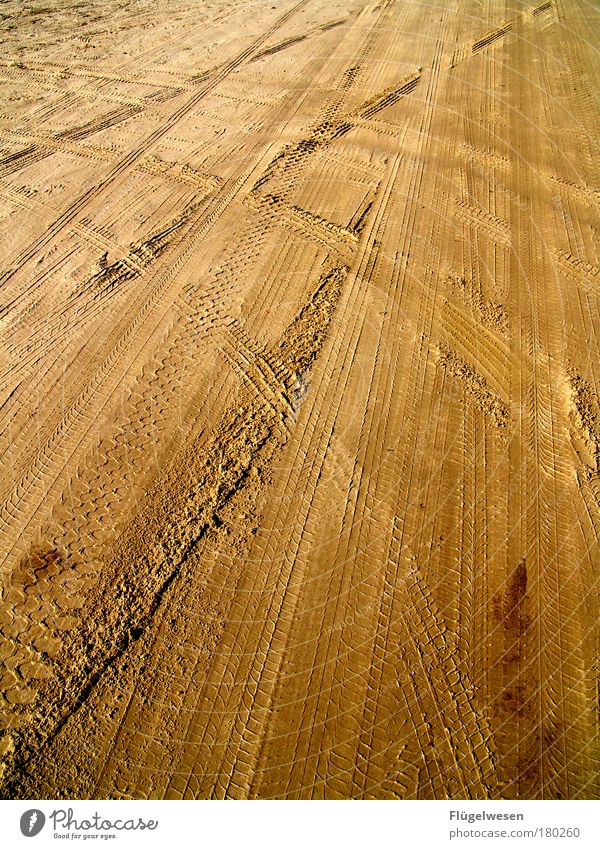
311	825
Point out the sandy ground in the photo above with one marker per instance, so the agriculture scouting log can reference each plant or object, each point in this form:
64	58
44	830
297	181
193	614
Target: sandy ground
300	432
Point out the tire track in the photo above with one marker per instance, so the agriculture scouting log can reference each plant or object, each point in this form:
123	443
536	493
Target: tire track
133	156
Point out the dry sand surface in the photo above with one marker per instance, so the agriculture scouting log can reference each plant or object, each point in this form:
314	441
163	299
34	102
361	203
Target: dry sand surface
300	426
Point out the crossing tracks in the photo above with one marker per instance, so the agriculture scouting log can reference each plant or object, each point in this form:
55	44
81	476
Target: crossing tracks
299	445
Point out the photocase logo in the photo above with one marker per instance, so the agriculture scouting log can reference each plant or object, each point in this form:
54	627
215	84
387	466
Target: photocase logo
32	822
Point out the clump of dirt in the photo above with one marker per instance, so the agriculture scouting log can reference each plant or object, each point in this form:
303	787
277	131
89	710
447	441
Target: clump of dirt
476	387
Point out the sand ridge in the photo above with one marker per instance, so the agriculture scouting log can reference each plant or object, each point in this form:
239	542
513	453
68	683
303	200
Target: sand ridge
300	424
